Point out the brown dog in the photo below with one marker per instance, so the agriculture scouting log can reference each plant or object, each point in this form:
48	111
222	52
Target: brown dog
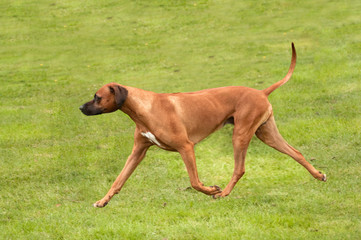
178	121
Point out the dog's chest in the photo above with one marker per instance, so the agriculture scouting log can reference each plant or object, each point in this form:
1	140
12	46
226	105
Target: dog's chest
151	138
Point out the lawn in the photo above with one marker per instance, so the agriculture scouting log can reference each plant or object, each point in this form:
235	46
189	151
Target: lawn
55	162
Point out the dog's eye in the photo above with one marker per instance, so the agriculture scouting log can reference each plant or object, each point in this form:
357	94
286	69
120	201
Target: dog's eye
97	99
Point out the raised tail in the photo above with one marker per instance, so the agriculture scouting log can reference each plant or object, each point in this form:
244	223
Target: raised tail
273	87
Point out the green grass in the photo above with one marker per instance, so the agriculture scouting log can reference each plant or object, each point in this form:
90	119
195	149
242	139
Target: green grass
55	162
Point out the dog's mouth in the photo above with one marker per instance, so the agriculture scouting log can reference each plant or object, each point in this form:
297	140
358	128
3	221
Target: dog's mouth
89	110
91	114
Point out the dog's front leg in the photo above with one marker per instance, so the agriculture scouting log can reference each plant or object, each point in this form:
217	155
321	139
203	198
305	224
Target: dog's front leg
188	156
138	153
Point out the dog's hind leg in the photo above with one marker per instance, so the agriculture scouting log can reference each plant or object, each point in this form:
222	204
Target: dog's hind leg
270	135
241	139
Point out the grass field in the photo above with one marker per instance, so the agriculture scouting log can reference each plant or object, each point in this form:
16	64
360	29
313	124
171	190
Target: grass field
55	162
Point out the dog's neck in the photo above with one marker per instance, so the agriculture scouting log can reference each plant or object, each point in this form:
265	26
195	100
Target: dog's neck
137	103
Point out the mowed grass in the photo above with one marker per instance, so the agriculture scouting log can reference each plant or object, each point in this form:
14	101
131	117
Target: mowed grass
55	162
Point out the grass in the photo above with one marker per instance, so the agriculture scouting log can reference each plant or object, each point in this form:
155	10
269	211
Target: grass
55	162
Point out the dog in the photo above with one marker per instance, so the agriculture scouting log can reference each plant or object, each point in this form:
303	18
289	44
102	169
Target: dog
178	121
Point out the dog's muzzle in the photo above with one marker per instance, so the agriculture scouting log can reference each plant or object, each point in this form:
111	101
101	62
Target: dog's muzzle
89	110
82	108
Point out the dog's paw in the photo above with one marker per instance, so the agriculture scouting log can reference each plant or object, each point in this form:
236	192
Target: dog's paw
216	187
324	178
215	190
218	196
100	204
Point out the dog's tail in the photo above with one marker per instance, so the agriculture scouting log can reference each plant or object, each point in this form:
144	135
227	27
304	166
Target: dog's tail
273	87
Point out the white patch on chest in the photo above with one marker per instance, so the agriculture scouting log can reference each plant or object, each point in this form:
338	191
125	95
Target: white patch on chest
151	138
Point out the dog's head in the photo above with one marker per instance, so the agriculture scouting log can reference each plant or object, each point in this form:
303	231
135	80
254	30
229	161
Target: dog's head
108	98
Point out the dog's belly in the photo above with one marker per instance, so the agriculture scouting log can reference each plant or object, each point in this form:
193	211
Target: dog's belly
204	112
201	116
197	134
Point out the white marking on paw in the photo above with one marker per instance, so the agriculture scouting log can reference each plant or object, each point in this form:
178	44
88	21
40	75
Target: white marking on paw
151	138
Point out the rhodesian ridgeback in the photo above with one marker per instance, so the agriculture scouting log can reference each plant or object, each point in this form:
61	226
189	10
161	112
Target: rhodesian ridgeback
178	121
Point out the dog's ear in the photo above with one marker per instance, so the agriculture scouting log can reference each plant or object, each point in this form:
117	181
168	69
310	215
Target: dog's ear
111	89
120	94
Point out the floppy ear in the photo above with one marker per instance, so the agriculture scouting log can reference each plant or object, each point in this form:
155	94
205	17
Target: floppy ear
120	94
